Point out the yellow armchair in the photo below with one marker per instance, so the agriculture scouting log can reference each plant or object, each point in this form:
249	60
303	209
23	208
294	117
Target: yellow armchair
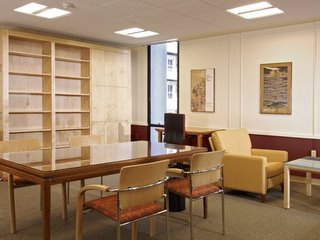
247	169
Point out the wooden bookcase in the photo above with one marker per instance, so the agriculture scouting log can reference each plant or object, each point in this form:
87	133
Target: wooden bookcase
72	92
45	89
53	88
29	90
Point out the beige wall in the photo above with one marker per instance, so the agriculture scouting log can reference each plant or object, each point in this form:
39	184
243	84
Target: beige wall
236	59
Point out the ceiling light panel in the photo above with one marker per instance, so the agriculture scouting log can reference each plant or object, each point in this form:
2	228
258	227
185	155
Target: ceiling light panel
30	8
250	7
261	13
53	13
256	10
143	34
130	31
136	32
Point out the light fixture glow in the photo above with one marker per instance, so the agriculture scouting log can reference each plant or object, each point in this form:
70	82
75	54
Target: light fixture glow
136	32
261	13
256	10
250	7
30	8
53	13
130	31
143	34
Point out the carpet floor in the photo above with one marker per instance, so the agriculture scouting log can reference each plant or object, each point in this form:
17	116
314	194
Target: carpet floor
246	217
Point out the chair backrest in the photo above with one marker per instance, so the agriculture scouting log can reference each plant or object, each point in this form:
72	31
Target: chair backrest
19	145
206	161
235	141
174	128
142	175
85	140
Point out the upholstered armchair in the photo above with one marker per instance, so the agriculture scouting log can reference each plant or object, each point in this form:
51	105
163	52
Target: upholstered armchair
247	169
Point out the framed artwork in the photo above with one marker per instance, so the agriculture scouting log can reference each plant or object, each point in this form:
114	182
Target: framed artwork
202	90
275	88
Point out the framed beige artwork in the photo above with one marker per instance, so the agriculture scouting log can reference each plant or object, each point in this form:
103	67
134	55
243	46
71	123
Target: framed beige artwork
275	88
202	90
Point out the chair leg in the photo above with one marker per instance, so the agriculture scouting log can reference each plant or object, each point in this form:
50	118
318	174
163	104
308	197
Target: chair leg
166	206
190	218
79	217
101	182
64	201
12	204
282	187
82	183
205	207
222	214
68	192
152	227
134	231
263	198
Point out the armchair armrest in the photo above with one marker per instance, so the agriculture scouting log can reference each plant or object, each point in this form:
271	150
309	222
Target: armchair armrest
246	173
271	155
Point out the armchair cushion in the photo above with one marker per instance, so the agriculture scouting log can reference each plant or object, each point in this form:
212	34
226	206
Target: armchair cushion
274	169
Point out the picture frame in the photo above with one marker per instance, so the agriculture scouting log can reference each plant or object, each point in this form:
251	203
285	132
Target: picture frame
276	88
203	90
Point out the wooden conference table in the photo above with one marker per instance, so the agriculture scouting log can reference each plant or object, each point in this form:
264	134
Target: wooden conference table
192	131
49	167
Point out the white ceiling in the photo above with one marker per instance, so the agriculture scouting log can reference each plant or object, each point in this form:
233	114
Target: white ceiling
97	20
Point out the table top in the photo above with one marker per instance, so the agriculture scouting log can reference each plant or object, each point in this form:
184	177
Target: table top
305	163
98	159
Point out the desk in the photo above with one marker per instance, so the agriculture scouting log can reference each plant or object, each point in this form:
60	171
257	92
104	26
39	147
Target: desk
192	131
48	167
306	164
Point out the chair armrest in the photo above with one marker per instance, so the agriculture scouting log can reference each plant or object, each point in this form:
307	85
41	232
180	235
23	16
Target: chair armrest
175	172
246	173
97	187
271	155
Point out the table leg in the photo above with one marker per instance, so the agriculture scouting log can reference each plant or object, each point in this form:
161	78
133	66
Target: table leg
308	184
286	194
46	209
159	136
199	140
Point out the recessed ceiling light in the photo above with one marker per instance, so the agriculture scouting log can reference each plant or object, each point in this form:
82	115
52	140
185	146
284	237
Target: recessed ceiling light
30	8
53	13
143	34
41	10
256	10
136	32
261	13
250	7
129	31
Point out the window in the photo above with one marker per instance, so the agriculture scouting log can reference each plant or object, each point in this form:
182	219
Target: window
162	84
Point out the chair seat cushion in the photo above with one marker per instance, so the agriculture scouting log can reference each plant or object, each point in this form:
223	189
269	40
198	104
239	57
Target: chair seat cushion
274	169
182	186
17	181
108	207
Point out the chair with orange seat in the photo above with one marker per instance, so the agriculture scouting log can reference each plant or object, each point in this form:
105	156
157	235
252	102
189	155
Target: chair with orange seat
139	196
204	179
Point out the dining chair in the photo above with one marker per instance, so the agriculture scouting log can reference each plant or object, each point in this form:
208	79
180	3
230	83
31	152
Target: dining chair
204	179
83	141
140	195
18	145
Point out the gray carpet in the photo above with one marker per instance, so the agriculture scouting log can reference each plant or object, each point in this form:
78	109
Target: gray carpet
246	217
